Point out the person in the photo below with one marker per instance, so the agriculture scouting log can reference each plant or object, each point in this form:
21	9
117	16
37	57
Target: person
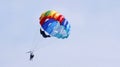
31	54
43	34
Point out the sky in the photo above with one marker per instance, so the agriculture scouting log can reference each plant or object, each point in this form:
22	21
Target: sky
94	39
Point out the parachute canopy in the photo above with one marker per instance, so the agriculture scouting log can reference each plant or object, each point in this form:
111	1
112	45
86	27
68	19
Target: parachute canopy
55	24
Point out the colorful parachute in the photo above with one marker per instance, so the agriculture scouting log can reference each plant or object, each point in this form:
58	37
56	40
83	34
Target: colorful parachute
54	24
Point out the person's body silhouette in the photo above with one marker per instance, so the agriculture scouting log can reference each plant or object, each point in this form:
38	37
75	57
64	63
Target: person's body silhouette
31	54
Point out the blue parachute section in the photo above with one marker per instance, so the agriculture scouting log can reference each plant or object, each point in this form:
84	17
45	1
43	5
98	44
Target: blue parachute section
55	29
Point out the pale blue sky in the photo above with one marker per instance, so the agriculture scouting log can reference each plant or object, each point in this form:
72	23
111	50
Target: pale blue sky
94	40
